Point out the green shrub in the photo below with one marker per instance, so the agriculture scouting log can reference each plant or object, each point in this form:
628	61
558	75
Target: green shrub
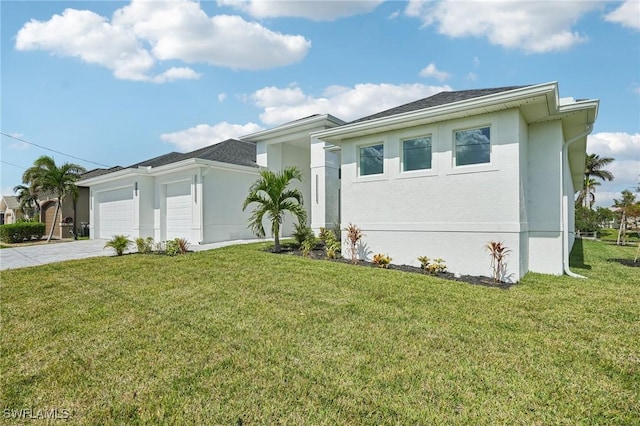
119	243
21	231
308	245
331	243
144	245
171	247
438	265
301	233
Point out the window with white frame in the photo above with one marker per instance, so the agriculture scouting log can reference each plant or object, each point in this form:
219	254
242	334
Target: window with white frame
416	154
473	146
371	159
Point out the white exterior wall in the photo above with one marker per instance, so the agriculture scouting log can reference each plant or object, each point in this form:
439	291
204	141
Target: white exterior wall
325	186
278	156
544	204
523	130
224	191
448	212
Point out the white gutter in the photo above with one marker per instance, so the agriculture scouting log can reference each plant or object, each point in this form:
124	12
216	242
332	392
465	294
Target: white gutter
565	202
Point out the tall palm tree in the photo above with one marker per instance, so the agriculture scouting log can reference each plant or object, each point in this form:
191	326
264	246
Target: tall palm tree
595	167
587	195
28	198
46	176
273	197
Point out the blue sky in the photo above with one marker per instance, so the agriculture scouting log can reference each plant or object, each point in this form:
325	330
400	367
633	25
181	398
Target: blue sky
114	83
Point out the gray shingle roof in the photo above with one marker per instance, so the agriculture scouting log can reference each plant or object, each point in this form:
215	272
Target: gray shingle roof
231	151
158	161
99	172
438	99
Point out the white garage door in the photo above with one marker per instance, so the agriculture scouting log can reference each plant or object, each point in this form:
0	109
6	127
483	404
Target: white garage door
179	211
115	211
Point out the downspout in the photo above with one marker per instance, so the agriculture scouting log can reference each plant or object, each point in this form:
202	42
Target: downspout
565	203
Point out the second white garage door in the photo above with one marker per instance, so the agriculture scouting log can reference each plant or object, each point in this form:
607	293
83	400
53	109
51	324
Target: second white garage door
115	212
179	211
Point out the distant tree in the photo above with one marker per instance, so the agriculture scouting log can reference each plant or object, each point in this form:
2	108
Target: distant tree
604	216
28	198
46	176
628	208
594	168
274	198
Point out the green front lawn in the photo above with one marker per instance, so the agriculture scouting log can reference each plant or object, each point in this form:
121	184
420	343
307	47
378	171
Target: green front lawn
241	336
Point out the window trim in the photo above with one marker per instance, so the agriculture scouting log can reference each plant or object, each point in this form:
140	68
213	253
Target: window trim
359	168
454	151
402	154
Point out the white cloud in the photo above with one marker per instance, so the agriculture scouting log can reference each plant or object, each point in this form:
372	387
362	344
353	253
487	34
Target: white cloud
309	9
176	73
347	103
144	33
432	71
222	97
625	149
472	76
534	27
203	134
628	14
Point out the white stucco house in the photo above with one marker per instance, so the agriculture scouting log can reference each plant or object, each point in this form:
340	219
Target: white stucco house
196	195
441	177
445	175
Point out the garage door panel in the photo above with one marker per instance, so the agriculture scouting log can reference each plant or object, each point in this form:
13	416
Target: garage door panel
179	210
116	212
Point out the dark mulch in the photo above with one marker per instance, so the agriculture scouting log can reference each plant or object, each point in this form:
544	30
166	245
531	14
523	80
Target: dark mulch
626	262
319	254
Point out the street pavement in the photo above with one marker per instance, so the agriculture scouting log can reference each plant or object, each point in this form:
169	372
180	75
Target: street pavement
59	251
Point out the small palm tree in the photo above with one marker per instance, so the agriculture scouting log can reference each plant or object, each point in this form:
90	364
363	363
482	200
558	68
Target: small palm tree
274	198
119	243
46	176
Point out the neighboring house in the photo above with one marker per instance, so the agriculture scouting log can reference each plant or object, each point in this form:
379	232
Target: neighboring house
64	226
10	212
10	209
444	175
197	196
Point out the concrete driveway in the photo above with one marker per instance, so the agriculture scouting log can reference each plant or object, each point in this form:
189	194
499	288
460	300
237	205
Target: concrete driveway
58	251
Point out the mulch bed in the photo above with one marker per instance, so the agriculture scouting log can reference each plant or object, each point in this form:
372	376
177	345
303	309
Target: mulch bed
319	254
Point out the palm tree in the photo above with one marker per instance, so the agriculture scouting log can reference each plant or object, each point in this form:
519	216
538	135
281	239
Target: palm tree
46	176
274	198
587	196
595	167
28	198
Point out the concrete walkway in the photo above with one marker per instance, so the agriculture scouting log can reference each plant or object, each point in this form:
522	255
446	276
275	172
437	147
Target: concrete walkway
59	251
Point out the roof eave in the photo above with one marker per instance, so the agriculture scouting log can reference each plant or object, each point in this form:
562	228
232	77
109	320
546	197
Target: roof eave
441	112
326	120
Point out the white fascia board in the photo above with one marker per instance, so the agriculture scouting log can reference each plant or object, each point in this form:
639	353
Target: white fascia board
303	125
442	112
591	106
109	177
195	163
